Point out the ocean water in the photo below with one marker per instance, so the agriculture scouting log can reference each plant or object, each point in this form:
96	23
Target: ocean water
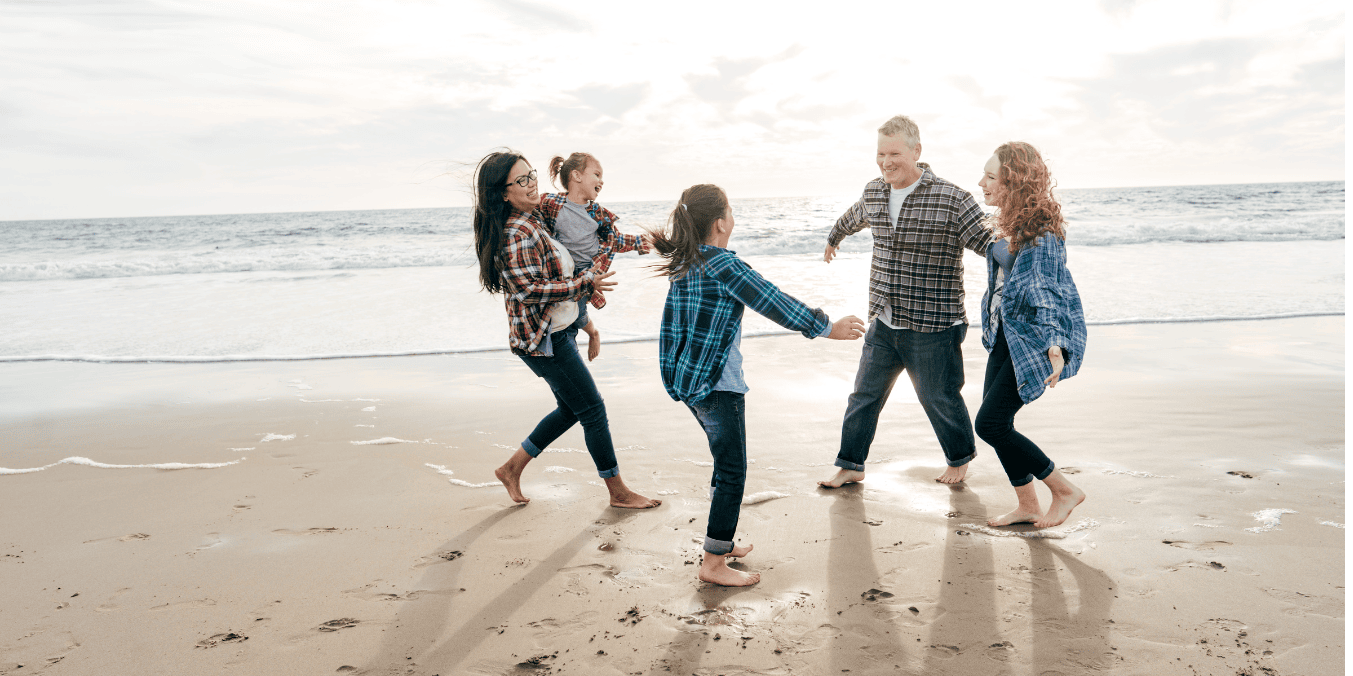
357	283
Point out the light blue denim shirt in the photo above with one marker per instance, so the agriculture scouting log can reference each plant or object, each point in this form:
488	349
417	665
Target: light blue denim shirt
1040	308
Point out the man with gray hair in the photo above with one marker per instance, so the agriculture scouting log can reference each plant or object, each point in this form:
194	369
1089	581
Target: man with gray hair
921	223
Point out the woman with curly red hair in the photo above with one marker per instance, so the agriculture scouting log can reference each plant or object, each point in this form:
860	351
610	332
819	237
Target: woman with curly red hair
1033	325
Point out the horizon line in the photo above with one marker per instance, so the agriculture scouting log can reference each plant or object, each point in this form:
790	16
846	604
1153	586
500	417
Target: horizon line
635	201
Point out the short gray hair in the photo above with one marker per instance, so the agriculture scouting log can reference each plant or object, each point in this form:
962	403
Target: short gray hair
904	126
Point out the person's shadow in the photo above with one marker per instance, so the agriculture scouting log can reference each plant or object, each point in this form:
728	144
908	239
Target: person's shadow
866	636
1064	641
966	601
421	622
687	650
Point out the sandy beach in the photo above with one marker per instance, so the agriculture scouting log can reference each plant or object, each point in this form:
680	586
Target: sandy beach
350	535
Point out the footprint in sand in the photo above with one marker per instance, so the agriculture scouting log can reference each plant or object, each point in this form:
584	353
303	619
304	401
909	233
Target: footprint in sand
211	540
308	531
338	624
241	508
109	605
218	639
1204	546
122	538
306	472
439	557
195	603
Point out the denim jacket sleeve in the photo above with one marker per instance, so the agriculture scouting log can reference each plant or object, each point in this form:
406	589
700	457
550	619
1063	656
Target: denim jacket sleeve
1045	294
754	291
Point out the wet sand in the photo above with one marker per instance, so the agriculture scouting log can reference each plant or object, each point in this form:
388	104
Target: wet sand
315	554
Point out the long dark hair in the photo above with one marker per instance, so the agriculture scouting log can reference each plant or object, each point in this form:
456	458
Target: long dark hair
491	211
1027	206
688	228
562	169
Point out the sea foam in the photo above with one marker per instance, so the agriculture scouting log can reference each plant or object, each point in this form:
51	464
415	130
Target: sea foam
101	465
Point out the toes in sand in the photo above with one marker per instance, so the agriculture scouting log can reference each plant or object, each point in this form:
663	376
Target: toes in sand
739	551
953	475
715	570
511	478
1061	508
1017	516
842	477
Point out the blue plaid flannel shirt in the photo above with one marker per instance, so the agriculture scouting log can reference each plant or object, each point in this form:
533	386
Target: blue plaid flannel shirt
1040	308
703	314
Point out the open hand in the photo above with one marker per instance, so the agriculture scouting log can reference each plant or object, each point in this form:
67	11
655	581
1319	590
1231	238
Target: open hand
1055	356
829	253
602	282
848	327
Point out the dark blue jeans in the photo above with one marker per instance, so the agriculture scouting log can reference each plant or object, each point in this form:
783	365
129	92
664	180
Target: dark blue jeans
1022	459
934	361
723	416
578	401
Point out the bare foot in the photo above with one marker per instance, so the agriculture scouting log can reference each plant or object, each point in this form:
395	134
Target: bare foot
715	570
1061	507
843	477
622	496
953	475
740	551
510	475
1017	516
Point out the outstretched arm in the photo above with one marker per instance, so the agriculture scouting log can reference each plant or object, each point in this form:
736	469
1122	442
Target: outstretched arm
851	222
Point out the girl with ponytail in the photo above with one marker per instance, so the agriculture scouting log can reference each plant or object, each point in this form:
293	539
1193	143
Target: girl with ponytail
586	229
699	355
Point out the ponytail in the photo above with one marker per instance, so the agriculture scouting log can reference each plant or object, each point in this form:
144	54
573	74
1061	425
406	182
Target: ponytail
562	169
688	227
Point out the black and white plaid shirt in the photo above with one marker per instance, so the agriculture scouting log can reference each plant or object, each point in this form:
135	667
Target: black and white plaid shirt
917	271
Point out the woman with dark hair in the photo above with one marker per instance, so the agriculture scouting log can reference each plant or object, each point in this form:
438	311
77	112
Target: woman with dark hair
520	258
1032	325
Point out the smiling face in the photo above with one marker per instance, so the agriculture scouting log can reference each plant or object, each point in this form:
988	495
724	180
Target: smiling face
990	182
897	161
587	181
522	198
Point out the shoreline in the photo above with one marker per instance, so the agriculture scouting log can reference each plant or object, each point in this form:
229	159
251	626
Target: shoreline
1212	453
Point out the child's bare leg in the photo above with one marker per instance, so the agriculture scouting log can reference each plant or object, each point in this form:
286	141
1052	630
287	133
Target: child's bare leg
740	551
1065	497
1028	510
842	477
622	496
510	474
714	569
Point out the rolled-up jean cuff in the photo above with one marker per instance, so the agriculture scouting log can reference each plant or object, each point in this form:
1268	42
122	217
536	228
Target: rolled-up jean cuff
846	464
961	461
1044	474
1022	482
610	473
531	449
717	547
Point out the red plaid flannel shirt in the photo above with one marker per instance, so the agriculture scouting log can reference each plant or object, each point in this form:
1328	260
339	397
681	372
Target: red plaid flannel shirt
534	279
612	240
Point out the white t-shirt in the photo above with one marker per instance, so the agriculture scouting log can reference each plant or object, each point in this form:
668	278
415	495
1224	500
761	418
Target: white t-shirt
896	196
563	313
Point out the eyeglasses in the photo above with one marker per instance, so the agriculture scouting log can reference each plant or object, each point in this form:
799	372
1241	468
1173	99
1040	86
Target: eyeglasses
524	180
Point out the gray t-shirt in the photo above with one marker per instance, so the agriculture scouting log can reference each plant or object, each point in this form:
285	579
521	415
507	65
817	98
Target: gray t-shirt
578	233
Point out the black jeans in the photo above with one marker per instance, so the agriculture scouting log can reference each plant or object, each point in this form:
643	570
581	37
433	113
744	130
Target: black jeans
578	401
934	361
723	416
1022	459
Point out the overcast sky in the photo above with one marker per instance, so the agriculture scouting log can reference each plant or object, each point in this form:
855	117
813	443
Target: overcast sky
146	107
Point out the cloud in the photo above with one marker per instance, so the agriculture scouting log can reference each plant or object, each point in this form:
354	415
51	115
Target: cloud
731	82
613	101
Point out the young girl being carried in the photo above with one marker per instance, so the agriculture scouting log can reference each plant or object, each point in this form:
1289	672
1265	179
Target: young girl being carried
699	356
586	229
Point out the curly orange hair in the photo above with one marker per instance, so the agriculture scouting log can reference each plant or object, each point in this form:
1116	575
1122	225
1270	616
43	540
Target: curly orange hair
1027	207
